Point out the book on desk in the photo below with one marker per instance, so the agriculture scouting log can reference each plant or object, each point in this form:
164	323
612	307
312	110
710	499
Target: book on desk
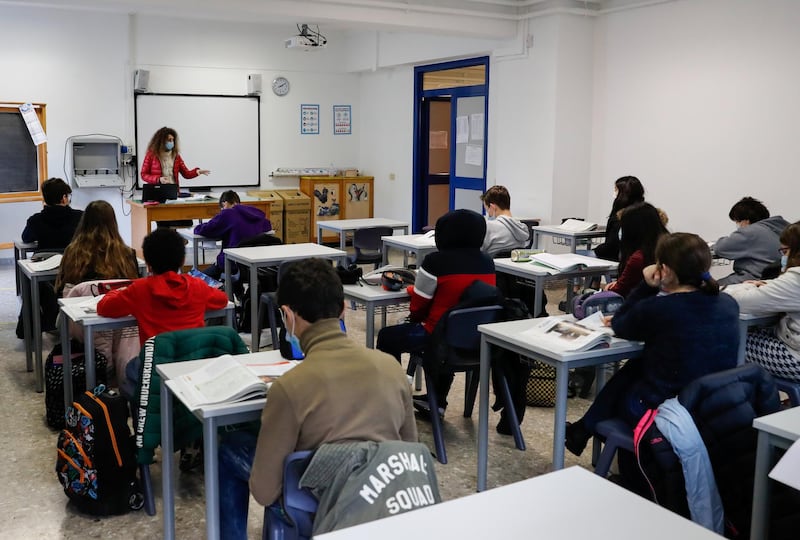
226	380
566	262
562	334
577	225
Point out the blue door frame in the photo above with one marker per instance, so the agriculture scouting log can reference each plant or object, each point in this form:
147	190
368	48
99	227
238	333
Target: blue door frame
421	181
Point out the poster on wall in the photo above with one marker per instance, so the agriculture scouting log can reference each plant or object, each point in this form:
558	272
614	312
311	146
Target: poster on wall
309	119
342	120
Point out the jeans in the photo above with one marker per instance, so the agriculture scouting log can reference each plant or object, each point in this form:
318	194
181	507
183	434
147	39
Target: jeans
406	337
236	453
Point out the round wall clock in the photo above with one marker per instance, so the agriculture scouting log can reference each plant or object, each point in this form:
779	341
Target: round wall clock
280	85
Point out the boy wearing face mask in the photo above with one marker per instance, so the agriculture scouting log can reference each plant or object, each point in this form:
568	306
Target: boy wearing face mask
776	349
754	243
503	232
342	391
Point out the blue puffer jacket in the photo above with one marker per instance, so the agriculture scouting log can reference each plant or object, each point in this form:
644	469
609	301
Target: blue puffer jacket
723	406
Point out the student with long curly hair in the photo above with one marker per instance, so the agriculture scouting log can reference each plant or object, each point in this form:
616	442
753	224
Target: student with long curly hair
97	250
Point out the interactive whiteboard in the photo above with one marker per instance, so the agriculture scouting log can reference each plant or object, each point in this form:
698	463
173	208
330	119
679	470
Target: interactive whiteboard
218	133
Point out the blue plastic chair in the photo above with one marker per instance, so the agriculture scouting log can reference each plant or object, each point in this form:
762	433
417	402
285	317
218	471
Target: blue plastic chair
463	354
791	389
292	518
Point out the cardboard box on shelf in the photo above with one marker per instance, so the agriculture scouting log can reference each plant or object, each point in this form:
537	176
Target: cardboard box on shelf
296	216
275	208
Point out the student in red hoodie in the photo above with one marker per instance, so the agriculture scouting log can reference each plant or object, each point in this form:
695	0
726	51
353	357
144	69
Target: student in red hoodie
165	300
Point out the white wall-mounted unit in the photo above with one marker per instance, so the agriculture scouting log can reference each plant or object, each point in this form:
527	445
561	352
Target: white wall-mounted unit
96	161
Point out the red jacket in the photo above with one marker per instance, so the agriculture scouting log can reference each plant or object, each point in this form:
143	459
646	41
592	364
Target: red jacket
151	169
163	303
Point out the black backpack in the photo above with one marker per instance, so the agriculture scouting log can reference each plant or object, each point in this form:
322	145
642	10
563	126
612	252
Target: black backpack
95	462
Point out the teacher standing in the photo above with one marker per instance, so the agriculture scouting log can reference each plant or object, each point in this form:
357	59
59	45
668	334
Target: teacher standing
163	163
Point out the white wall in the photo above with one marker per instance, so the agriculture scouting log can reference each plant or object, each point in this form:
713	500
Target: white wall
75	63
699	99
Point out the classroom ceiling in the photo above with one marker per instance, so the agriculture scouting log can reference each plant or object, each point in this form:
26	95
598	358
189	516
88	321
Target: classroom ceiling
480	18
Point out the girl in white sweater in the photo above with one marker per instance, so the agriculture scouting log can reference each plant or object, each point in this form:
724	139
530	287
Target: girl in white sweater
776	349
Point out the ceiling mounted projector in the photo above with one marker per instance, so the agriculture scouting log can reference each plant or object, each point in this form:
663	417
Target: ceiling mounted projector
307	39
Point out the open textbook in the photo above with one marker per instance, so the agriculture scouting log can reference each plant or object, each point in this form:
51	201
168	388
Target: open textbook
577	225
229	379
561	334
566	262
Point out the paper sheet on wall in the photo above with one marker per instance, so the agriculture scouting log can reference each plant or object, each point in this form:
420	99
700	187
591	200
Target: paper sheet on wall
787	470
476	126
32	122
473	155
462	129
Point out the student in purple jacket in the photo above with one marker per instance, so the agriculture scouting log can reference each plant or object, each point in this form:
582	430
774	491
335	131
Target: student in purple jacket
234	223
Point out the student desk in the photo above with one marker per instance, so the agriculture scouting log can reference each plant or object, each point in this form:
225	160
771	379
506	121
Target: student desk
31	318
776	430
539	277
264	256
197	240
344	226
72	311
746	320
563	505
509	335
212	417
21	250
143	215
571	237
373	296
419	244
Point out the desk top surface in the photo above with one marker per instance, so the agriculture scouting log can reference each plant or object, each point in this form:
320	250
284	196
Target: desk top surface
555	229
512	332
784	423
82	309
526	269
28	268
364	223
280	253
542	507
375	293
413	241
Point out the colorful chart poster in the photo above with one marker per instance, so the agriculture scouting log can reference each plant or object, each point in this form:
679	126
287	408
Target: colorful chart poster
342	120
309	119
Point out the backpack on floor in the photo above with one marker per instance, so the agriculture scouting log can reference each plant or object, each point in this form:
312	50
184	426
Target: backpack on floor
95	462
54	379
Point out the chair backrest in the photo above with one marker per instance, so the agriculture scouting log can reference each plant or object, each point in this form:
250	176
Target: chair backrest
178	346
300	505
293	516
370	239
531	223
461	335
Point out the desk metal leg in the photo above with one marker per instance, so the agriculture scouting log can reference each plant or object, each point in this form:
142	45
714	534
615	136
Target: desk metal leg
538	291
167	463
66	354
370	325
17	256
319	234
27	315
483	415
536	237
385	255
254	332
759	528
228	280
742	343
559	430
211	477
88	351
342	240
36	318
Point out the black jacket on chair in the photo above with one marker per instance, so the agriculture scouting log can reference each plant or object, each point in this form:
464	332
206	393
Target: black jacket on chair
723	406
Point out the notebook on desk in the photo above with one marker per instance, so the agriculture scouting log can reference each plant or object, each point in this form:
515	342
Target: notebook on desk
159	192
